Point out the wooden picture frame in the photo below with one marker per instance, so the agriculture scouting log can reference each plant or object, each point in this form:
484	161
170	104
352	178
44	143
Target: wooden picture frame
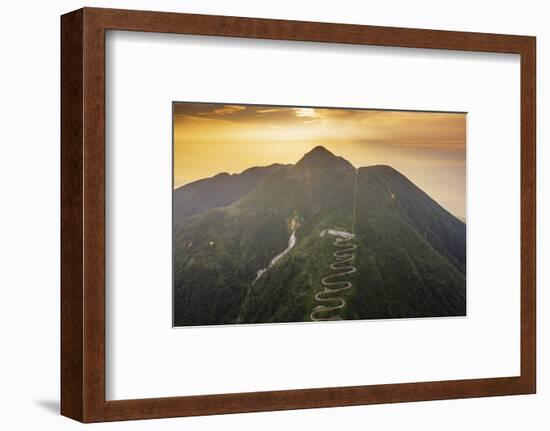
83	334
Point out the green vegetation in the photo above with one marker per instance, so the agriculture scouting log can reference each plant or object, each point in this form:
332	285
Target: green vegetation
410	259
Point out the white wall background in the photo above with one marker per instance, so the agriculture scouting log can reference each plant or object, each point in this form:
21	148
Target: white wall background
29	215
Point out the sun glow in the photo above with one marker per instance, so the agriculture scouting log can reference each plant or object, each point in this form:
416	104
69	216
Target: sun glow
305	112
428	147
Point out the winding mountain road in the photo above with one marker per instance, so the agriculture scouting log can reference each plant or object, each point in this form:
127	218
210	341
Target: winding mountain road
328	297
331	287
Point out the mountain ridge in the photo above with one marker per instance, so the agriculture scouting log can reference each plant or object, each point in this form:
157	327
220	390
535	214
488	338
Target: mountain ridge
218	190
411	252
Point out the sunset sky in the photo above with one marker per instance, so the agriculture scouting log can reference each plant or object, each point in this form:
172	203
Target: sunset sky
429	148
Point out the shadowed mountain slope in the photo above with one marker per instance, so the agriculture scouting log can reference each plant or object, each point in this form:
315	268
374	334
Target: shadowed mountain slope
410	259
218	191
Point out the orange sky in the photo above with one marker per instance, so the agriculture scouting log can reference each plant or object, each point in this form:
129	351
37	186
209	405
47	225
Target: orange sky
429	148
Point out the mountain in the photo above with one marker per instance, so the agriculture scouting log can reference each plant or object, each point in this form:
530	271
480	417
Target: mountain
263	254
218	191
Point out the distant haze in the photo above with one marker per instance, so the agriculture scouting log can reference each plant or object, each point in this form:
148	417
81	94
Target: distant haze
429	148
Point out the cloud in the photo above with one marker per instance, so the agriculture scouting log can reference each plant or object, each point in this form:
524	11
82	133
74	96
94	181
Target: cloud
268	111
225	110
404	129
206	109
306	112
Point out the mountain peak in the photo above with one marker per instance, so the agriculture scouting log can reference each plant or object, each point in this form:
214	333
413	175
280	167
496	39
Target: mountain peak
319	157
319	149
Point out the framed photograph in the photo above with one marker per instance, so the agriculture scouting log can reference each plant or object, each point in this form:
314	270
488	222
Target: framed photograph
267	215
298	233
